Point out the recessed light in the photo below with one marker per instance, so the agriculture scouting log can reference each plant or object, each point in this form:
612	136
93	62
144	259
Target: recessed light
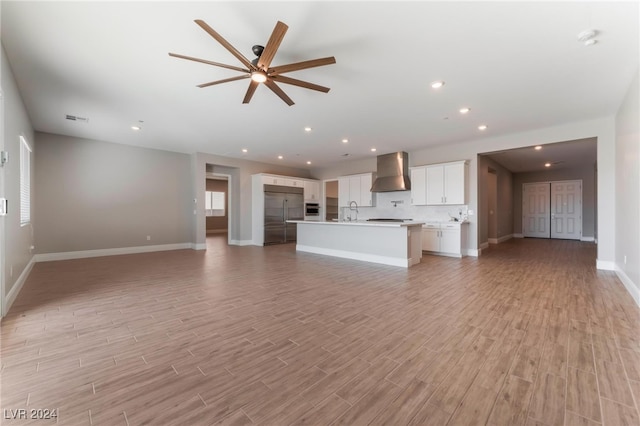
537	147
307	129
245	150
136	128
345	140
437	84
464	110
482	127
280	157
547	164
373	150
308	162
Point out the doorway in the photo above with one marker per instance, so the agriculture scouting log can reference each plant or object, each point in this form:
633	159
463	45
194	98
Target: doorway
552	210
331	200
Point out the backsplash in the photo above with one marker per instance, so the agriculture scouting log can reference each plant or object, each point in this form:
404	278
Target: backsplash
397	205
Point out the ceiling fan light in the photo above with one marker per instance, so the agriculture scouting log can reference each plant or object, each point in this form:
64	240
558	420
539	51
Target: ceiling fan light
258	76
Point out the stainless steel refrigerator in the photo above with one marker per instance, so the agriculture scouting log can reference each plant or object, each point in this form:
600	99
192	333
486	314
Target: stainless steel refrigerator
282	203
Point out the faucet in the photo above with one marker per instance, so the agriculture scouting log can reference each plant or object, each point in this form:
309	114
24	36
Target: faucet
351	203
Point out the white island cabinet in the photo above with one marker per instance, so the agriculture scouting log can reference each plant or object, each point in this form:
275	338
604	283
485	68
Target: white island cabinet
388	243
445	238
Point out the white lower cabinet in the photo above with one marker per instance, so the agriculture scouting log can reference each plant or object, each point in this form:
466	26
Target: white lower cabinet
446	239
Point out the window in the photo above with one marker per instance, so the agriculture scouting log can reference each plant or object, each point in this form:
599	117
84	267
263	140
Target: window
25	182
214	203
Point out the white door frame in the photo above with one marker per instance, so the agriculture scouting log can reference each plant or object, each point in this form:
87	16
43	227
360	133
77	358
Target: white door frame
2	220
229	205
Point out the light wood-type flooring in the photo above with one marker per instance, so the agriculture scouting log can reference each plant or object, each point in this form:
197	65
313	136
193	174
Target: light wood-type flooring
528	334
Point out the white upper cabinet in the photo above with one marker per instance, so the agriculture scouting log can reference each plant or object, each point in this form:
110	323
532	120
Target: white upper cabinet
311	190
444	184
355	188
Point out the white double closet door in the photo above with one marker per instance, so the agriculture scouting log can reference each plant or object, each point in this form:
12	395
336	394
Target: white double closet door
552	209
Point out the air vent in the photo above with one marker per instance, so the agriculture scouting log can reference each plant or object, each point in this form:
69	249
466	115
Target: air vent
76	118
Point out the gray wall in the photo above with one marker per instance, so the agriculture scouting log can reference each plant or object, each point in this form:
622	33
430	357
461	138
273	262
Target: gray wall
628	189
504	195
17	239
97	195
586	174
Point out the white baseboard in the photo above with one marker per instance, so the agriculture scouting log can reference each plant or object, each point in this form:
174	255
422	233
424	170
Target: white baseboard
201	246
633	290
17	286
46	257
518	235
241	242
605	265
473	252
385	260
484	245
588	239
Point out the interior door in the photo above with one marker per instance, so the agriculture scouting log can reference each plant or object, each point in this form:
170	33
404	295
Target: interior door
566	210
536	215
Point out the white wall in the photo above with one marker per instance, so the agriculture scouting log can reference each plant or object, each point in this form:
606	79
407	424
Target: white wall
17	239
627	190
602	128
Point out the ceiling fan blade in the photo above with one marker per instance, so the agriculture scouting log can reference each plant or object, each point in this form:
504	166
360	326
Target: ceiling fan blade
281	69
299	83
250	91
278	91
226	80
204	61
225	44
272	45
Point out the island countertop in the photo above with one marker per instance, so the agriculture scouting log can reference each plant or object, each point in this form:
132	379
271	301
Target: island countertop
385	242
388	224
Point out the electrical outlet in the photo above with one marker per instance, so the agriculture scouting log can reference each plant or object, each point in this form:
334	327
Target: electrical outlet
148	237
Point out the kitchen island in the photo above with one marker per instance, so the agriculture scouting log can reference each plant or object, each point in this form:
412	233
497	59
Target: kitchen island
388	243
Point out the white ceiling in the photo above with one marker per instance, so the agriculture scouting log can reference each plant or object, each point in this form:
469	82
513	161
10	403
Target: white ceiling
563	155
517	65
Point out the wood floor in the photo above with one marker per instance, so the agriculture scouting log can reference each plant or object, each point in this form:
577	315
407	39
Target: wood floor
527	334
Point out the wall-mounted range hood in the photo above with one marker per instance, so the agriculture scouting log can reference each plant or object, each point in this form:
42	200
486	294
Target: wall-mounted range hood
392	173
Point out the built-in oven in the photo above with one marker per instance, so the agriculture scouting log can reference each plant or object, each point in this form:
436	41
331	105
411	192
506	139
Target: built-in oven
311	211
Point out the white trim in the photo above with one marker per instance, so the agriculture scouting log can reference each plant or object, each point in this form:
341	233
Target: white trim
605	265
46	257
629	285
473	252
588	239
17	286
385	260
196	246
518	235
484	245
242	243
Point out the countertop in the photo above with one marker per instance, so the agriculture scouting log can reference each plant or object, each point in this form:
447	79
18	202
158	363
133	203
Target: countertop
360	223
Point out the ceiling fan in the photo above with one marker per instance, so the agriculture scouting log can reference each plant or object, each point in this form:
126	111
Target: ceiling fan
259	70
